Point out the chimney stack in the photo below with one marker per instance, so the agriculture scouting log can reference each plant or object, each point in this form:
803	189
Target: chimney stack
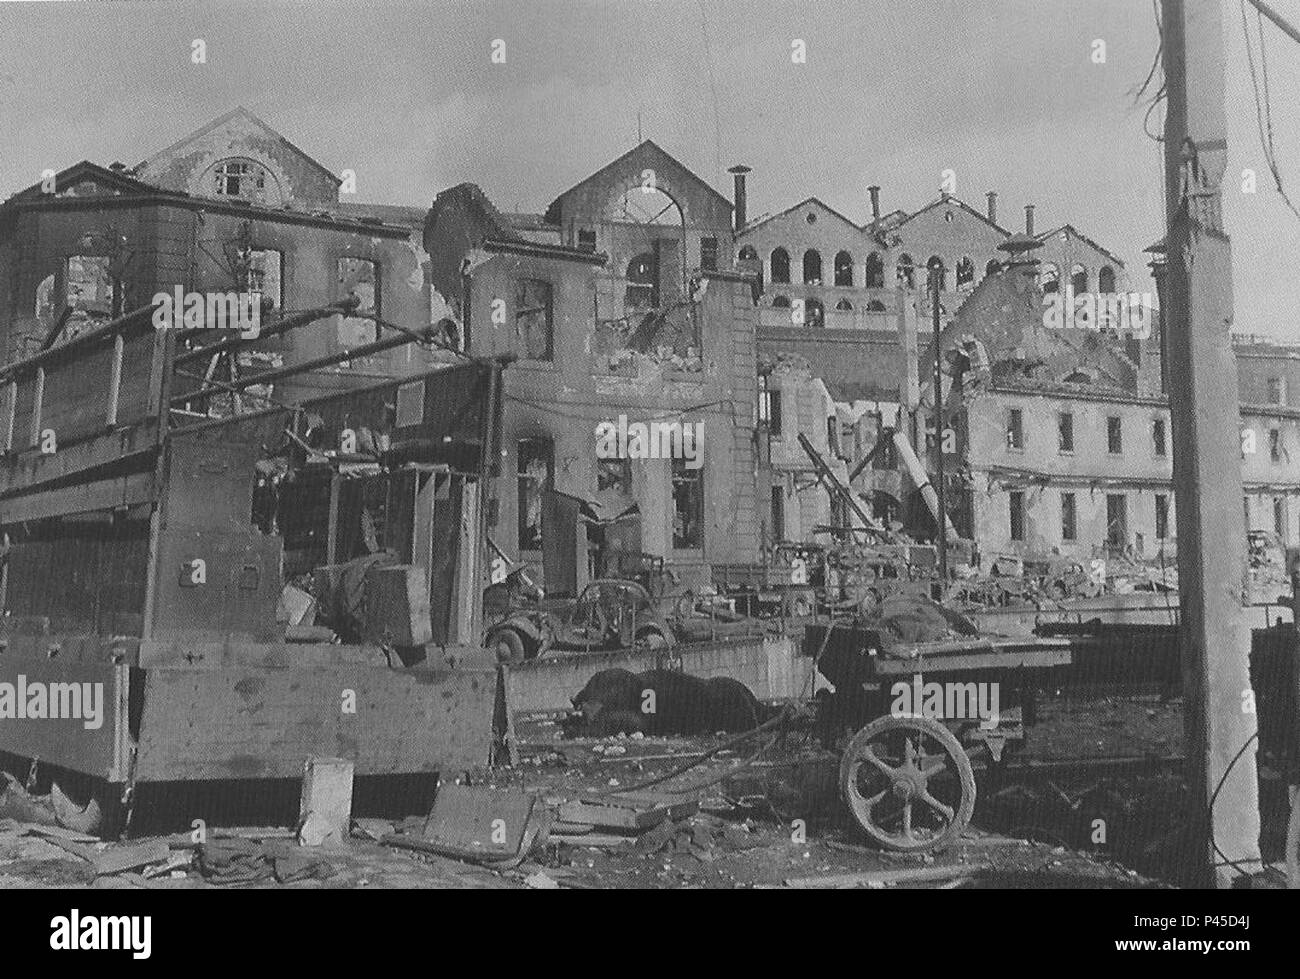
1029	219
739	216
992	196
875	204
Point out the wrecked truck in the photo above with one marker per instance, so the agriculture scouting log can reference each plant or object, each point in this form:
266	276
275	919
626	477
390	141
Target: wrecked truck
610	614
145	558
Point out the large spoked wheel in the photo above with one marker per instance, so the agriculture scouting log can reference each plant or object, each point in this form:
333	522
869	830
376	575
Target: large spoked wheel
908	783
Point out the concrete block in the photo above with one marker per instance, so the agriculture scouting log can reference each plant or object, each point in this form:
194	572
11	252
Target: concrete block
325	813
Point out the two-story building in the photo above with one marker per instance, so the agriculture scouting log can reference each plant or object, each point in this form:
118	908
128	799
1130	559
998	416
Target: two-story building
622	306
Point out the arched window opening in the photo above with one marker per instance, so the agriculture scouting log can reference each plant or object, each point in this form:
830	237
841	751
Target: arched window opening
1106	279
1078	279
875	306
906	272
780	265
935	267
812	267
843	269
844	306
875	272
781	302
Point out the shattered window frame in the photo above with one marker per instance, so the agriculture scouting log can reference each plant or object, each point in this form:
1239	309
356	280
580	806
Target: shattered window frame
642	275
709	254
615	474
349	274
688	506
230	174
90	278
534	473
257	280
1116	519
535	318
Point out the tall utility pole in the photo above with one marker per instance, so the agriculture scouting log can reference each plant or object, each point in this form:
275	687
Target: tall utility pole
1203	401
936	281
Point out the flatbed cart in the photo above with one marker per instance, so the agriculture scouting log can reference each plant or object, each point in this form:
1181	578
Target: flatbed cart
916	716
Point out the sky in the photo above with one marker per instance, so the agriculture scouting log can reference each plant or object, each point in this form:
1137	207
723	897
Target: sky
1006	93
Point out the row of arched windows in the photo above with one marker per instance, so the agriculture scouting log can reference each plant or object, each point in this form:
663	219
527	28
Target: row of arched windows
843	272
1049	278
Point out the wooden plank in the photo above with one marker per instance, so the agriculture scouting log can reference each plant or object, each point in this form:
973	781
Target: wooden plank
254	722
101	495
677	807
114	381
882	878
118	858
619	817
38	398
11	414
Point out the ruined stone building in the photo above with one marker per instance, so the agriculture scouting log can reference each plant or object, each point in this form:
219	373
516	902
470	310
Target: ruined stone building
233	206
623	307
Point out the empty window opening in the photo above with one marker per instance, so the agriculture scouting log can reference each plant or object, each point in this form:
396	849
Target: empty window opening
905	272
1015	428
965	273
1114	435
812	267
814	313
769	404
875	272
356	277
1078	279
1116	520
1017	515
688	505
1065	431
614	474
843	269
1049	279
1069	517
937	271
535	469
780	265
534	319
709	254
642	282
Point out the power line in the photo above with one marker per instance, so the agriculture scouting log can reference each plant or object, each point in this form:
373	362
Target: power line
1263	108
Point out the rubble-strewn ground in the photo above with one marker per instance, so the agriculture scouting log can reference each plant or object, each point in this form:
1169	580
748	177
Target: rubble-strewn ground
1095	799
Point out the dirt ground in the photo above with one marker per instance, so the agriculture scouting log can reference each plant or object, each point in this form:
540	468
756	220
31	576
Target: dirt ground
1094	799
